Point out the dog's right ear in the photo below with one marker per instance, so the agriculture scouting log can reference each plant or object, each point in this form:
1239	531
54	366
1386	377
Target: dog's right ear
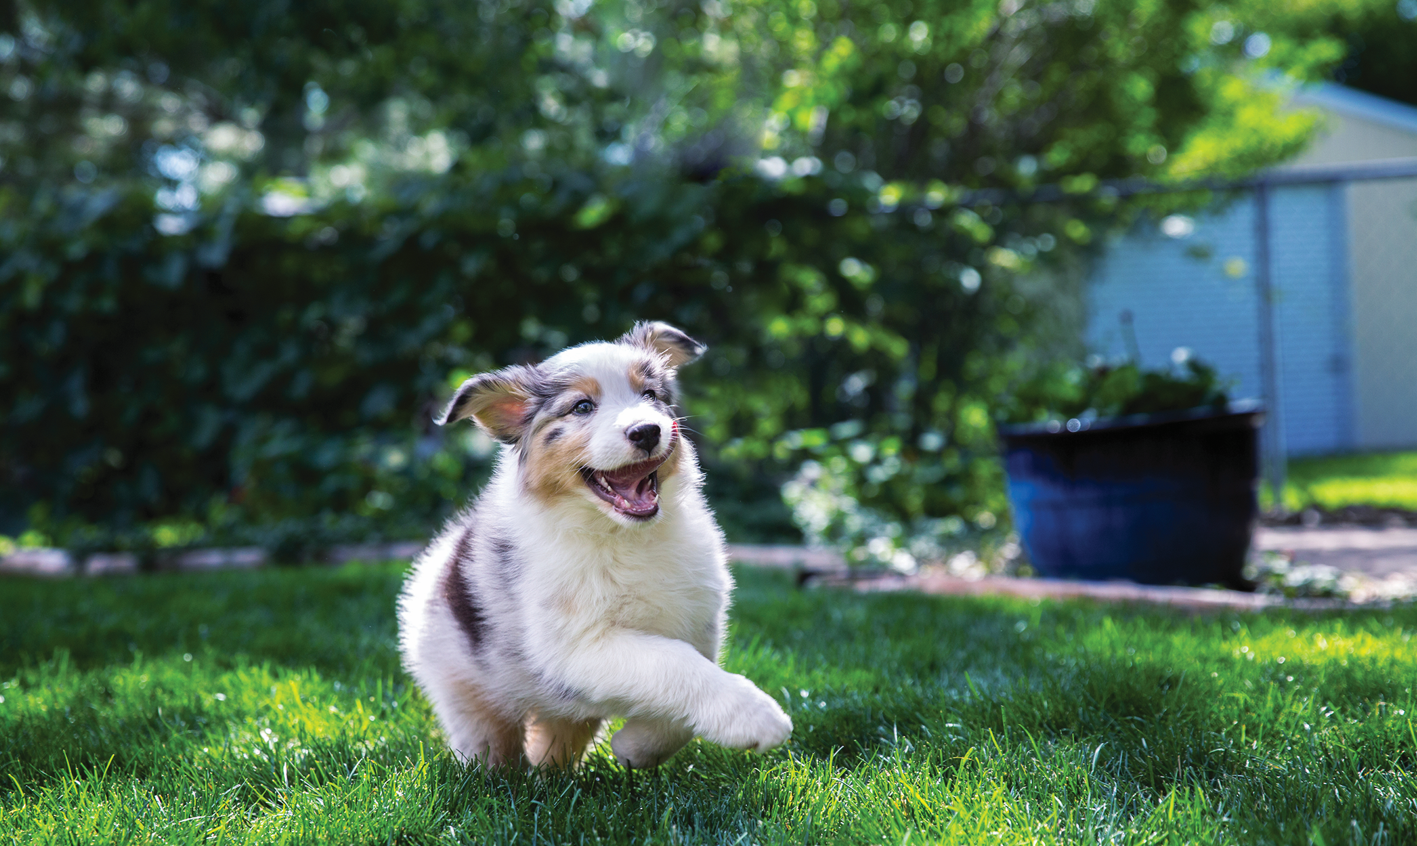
500	402
676	347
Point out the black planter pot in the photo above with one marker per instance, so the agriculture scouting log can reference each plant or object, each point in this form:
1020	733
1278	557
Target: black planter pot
1157	498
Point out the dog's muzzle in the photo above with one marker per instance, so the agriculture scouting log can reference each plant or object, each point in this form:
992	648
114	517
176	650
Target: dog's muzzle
632	490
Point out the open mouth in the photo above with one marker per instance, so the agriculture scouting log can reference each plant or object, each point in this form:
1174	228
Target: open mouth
632	490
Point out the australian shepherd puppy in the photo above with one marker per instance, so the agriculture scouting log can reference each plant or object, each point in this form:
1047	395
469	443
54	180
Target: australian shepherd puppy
589	579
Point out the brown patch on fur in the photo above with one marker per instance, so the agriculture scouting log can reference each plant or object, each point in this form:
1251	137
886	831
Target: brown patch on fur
640	375
558	743
461	599
553	469
553	464
586	385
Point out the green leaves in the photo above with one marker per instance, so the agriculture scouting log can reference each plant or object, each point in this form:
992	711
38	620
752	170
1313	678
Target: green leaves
596	211
1102	391
241	257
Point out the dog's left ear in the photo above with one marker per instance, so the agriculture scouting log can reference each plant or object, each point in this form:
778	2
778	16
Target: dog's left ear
664	339
499	402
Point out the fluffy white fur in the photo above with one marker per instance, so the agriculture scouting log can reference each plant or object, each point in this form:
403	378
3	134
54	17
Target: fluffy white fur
544	609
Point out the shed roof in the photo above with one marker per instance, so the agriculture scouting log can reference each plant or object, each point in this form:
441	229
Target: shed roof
1360	104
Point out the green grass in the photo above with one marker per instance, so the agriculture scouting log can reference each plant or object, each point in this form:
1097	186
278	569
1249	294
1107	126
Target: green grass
1385	480
269	707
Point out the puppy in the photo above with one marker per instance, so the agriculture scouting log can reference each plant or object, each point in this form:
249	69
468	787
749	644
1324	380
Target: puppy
589	579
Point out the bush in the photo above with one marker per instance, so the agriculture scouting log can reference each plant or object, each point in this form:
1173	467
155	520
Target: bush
243	260
287	367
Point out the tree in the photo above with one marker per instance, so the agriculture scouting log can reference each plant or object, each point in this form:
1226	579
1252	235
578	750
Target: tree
244	254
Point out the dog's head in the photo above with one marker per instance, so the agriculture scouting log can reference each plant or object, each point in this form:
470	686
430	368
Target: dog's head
594	421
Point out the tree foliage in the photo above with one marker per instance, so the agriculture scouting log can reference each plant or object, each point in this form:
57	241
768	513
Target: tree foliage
245	249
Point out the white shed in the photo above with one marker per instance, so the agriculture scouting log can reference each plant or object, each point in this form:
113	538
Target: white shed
1343	271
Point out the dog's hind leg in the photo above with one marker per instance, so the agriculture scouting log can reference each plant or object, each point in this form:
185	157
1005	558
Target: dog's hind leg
558	743
495	743
478	732
644	742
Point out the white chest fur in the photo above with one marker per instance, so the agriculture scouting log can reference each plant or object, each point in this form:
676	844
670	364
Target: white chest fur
666	579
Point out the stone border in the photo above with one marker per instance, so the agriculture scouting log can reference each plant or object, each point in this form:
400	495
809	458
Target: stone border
1190	598
60	563
1336	539
787	557
814	567
1115	591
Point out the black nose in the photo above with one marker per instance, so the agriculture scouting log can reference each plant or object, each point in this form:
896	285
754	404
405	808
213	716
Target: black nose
645	436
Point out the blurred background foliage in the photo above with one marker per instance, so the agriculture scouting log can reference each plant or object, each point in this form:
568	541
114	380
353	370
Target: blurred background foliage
245	249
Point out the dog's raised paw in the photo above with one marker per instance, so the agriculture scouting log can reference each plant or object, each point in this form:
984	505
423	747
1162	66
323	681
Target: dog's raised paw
744	717
773	729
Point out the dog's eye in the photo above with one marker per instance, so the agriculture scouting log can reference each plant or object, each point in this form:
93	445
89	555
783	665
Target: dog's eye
651	395
585	406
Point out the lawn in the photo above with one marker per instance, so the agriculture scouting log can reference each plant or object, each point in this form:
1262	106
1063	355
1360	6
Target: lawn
269	706
1381	479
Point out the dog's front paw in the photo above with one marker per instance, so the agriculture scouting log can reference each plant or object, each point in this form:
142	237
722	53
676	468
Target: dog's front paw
743	717
644	743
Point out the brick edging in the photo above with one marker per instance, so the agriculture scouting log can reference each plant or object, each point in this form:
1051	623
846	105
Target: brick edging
60	563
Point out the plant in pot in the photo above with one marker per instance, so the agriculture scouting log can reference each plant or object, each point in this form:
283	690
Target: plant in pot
1117	472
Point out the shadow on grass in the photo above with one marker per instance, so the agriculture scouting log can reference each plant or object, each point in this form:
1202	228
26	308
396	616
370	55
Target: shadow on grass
336	620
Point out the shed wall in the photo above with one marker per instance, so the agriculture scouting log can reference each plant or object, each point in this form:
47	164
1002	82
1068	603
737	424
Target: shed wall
1382	228
1199	292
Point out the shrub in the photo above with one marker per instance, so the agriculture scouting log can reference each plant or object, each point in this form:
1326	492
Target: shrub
243	258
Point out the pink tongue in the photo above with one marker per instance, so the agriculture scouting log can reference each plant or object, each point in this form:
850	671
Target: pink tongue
632	484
